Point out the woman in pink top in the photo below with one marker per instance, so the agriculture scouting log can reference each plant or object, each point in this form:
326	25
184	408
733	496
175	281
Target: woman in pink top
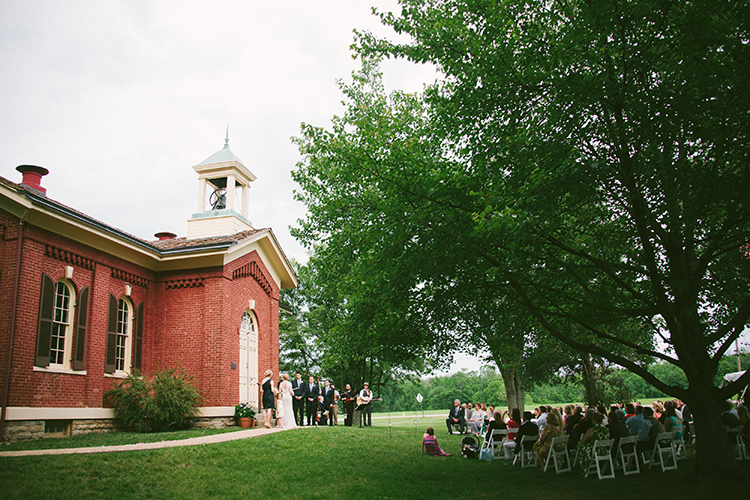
513	423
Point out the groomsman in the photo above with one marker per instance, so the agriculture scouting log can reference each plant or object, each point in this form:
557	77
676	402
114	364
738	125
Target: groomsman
312	391
298	402
328	397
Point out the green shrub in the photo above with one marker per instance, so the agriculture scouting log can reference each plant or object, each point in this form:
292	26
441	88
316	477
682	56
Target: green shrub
167	401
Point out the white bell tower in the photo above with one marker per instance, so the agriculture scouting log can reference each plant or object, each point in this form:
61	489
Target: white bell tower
223	195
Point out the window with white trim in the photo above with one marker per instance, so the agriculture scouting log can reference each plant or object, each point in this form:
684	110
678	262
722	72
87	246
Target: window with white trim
61	330
123	343
61	338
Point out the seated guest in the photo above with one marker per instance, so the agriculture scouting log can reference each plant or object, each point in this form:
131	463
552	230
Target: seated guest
573	419
651	428
528	428
603	411
672	423
477	420
491	413
629	411
541	419
456	417
567	413
595	433
658	408
729	415
495	423
617	428
635	422
468	411
513	424
581	428
552	430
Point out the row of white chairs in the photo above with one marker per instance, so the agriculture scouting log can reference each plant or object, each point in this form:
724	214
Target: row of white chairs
667	451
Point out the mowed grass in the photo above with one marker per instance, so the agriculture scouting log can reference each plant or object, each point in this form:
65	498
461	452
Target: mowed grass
381	462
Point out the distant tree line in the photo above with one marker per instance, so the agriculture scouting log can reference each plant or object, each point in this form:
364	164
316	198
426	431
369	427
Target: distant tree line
486	386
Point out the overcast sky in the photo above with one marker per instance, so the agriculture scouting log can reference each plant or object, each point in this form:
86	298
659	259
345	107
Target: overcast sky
118	100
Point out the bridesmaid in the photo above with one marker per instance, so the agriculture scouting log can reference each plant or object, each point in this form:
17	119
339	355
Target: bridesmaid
269	392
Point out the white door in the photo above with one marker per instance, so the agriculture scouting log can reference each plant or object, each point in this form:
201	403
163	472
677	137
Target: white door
249	359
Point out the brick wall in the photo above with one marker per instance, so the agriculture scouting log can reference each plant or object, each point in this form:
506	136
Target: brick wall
192	318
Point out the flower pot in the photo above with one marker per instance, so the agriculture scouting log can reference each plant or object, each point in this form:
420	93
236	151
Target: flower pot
246	422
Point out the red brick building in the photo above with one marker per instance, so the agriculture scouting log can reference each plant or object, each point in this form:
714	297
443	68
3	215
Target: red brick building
82	303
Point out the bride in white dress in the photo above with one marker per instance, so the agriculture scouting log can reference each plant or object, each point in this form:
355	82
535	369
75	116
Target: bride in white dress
287	414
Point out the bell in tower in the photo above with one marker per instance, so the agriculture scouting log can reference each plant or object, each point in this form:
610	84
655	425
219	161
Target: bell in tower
223	195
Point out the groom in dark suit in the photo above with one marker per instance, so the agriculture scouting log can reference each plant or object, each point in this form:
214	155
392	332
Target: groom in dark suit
312	391
298	399
456	417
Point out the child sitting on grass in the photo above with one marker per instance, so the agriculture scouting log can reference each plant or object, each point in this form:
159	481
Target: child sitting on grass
430	444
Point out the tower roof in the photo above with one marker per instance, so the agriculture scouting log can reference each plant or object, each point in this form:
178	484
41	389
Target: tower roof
223	155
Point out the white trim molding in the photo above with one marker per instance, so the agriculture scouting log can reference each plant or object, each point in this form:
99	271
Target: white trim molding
29	413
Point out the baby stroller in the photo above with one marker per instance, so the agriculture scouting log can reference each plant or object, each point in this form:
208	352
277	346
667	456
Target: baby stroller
469	448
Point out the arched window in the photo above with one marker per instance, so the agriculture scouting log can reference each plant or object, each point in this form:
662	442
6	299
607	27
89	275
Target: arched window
60	345
119	360
123	343
61	337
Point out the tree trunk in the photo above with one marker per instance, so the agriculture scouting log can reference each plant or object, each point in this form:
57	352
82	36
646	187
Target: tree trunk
712	449
589	379
514	388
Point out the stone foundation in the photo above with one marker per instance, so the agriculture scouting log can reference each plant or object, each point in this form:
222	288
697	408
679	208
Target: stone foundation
78	427
27	430
23	430
214	423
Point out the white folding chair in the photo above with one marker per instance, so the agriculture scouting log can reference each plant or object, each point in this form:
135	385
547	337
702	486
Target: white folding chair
738	446
497	439
601	454
561	458
663	452
626	456
680	450
491	443
527	452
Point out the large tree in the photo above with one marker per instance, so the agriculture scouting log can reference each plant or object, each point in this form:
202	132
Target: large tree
613	140
590	157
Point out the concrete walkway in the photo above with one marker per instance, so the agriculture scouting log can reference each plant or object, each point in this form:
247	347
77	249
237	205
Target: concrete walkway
214	438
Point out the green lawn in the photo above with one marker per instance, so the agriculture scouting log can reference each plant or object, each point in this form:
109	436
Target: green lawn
380	462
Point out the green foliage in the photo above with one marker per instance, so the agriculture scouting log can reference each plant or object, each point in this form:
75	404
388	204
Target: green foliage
560	165
166	401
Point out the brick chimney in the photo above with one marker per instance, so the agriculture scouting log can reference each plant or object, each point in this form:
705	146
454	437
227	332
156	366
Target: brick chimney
32	176
165	236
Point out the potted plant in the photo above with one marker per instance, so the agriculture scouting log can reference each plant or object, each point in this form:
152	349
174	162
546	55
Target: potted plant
245	415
